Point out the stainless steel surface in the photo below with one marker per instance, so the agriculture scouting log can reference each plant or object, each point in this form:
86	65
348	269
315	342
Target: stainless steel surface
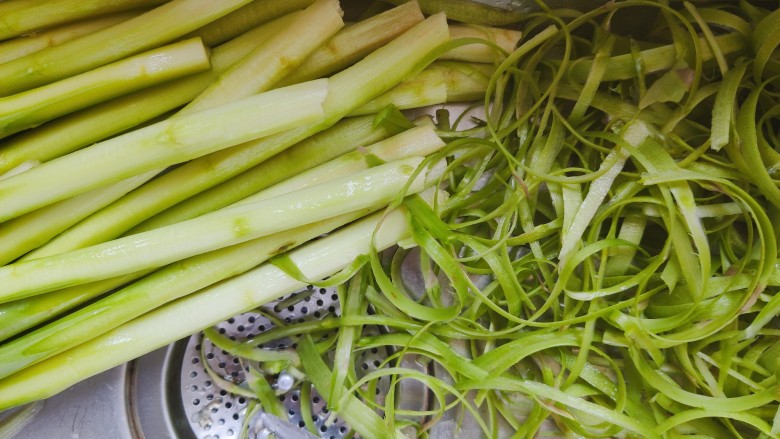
89	410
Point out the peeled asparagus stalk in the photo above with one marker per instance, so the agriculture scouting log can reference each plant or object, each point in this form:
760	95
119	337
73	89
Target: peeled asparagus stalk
156	289
351	88
15	317
346	135
246	18
356	41
36	228
163	144
69	133
35	42
158	26
505	39
366	190
33	107
197	311
18	17
262	68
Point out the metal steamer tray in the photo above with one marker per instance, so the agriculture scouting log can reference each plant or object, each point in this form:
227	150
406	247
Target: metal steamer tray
168	393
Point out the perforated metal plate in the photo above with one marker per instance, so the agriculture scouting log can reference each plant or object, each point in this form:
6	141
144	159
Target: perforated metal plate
215	413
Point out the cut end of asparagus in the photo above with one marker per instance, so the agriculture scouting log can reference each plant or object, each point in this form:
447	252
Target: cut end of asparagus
384	68
356	41
505	39
261	69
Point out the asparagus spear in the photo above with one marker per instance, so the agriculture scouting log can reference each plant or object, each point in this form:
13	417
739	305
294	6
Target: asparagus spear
185	316
37	41
85	127
505	39
415	142
20	315
426	88
356	41
442	82
240	223
274	57
18	17
158	26
16	316
469	11
465	81
165	143
346	135
30	231
246	18
350	88
33	107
